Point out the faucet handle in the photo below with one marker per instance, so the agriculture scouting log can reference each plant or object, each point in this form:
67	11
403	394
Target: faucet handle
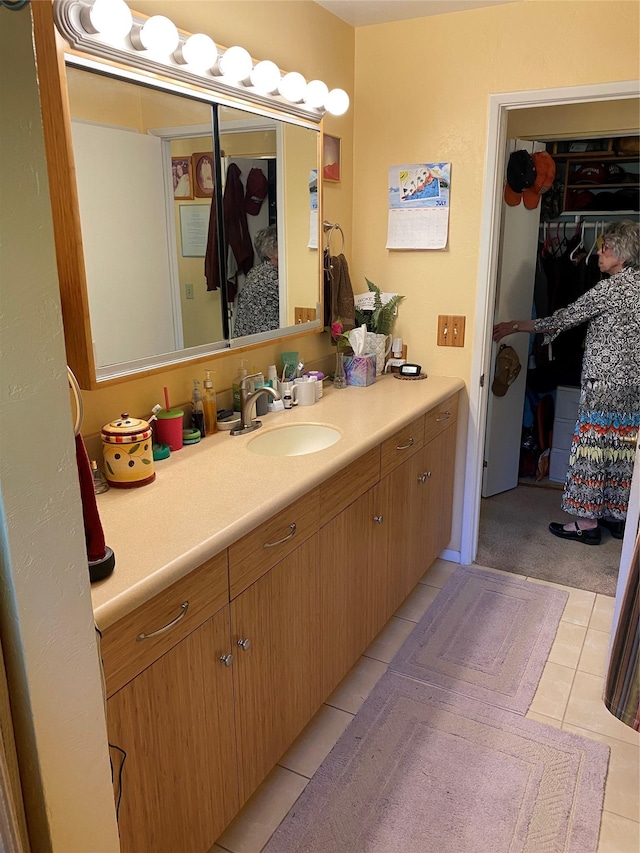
245	378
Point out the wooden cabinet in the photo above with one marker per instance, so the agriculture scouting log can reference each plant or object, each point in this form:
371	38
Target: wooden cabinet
177	788
211	680
353	555
275	628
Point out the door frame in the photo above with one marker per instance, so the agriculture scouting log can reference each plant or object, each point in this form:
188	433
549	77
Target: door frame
499	106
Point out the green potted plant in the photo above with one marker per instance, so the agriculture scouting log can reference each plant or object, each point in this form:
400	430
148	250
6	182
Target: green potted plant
379	321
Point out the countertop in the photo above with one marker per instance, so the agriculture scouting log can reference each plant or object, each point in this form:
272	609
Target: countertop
208	495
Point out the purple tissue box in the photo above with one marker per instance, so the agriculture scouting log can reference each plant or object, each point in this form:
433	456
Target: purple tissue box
360	369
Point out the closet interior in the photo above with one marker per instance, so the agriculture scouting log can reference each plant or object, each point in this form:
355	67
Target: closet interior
597	181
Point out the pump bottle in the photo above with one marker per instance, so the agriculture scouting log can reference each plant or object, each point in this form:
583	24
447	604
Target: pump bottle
197	410
209	405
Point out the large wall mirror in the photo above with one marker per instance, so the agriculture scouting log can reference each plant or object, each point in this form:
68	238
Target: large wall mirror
177	205
178	197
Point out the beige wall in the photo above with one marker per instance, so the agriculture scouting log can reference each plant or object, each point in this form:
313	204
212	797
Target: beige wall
428	101
298	36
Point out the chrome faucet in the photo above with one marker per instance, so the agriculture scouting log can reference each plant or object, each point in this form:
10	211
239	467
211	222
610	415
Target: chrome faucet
247	401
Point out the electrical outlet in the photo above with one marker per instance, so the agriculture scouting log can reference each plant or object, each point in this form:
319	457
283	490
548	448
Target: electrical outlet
188	291
451	330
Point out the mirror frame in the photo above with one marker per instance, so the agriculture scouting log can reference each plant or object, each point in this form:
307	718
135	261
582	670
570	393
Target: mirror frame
52	53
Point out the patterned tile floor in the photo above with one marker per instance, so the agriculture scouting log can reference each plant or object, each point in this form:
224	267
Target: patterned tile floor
568	697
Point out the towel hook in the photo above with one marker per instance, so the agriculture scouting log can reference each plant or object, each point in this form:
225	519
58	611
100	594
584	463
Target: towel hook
329	228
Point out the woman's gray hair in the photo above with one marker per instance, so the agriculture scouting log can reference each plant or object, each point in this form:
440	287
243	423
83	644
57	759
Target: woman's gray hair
623	238
266	242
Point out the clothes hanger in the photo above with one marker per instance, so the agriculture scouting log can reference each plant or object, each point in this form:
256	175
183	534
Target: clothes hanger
580	246
596	228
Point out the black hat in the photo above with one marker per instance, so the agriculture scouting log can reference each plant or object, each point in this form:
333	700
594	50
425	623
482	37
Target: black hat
521	171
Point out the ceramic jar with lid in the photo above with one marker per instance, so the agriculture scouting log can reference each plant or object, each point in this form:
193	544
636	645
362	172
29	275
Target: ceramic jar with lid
127	451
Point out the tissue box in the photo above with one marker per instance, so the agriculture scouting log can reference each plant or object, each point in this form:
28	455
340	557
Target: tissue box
360	369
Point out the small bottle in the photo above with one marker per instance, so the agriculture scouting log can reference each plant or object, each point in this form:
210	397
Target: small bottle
197	409
209	405
237	382
100	484
272	376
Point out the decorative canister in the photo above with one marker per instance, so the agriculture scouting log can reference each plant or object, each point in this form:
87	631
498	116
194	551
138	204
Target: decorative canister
128	452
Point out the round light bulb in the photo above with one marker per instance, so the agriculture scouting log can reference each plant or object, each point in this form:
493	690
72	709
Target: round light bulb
111	18
292	87
337	102
158	34
316	93
265	76
235	63
199	50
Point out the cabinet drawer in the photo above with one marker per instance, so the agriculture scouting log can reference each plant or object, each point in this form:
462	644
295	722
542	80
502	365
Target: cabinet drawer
347	485
440	417
260	550
401	445
204	592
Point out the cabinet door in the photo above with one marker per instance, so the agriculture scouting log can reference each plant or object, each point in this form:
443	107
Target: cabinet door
420	512
353	556
276	637
178	784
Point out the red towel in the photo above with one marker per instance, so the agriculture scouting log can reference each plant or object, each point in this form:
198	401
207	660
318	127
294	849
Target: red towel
93	531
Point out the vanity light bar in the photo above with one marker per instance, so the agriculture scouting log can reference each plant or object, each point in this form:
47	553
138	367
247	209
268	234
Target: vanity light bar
110	30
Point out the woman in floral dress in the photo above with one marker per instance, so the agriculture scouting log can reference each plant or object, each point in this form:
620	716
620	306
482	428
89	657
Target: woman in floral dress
601	461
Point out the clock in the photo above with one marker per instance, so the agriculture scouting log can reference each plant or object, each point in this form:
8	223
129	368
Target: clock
410	370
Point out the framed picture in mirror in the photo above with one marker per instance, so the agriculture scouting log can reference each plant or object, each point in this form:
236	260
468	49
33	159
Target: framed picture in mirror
182	177
331	158
202	164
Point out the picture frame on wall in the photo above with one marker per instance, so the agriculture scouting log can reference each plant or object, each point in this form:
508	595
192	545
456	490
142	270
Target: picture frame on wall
202	165
182	177
331	165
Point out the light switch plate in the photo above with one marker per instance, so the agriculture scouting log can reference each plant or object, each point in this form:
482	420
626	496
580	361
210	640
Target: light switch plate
188	291
451	330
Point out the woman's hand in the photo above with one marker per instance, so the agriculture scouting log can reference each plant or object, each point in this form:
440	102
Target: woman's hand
501	330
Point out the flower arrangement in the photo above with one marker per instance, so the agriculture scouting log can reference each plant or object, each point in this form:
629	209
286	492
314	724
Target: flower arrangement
339	337
380	319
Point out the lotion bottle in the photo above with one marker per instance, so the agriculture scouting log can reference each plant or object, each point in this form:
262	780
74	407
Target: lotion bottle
209	405
197	409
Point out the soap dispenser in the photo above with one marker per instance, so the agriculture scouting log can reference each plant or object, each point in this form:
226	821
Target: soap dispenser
237	383
209	405
197	409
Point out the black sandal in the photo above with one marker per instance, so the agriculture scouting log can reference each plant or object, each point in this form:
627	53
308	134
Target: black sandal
587	537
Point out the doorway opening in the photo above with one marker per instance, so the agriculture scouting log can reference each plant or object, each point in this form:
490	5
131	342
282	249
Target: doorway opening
502	108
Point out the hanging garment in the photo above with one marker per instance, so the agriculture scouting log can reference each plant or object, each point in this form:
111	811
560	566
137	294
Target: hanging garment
338	292
211	257
622	687
236	230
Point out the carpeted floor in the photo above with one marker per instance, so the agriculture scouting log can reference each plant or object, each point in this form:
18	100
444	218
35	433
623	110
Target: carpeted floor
487	636
514	537
388	786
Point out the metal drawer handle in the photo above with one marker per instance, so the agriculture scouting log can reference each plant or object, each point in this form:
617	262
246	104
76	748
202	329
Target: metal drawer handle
183	608
405	446
227	660
245	644
378	519
444	417
292	528
424	477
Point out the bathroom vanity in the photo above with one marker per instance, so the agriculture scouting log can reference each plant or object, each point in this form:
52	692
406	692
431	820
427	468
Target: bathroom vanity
245	588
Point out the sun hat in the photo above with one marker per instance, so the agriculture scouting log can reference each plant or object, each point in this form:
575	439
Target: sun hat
545	176
521	174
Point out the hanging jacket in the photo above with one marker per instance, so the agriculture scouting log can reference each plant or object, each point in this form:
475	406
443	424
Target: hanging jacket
236	230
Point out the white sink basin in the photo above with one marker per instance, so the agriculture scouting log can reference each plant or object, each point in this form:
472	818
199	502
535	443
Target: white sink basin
294	440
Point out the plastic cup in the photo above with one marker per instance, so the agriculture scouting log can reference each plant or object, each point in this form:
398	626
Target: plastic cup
169	428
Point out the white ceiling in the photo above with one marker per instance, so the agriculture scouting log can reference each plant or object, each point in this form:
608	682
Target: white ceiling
361	13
